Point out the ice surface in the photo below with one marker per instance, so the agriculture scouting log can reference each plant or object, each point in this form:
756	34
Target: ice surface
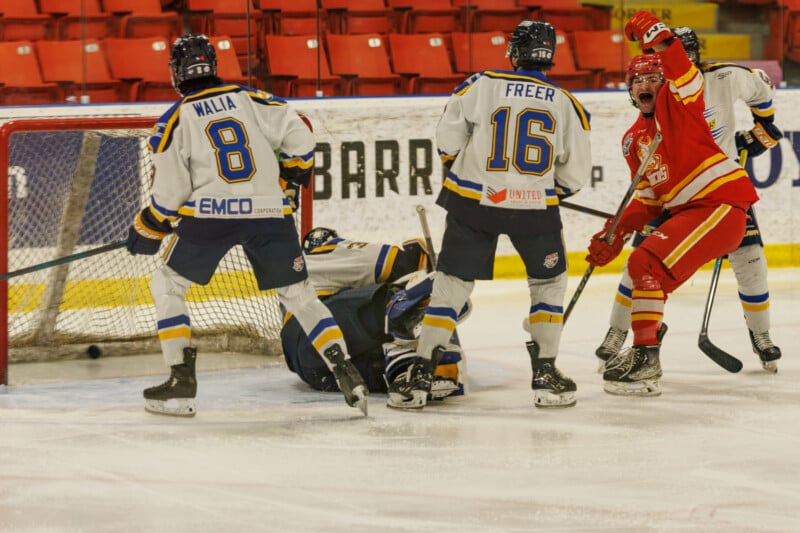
716	452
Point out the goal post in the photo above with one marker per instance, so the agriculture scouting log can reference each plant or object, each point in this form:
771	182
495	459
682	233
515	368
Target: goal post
74	184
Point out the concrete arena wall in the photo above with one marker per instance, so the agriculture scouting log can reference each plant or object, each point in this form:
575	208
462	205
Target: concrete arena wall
376	160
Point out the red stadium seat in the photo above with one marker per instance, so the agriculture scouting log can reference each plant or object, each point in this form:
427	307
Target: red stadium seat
604	51
21	21
79	19
358	16
234	18
564	72
144	18
479	51
295	62
228	67
423	61
81	69
363	61
142	62
569	15
426	16
21	79
292	17
490	15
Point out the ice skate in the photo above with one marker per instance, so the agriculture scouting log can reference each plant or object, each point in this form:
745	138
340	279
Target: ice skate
175	396
613	342
767	352
347	377
550	387
611	346
442	387
634	372
410	389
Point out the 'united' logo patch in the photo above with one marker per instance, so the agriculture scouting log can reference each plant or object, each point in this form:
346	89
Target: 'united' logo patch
299	264
551	260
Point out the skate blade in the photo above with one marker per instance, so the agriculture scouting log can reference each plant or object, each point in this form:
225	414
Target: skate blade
172	407
417	400
361	400
601	366
442	388
633	388
545	399
770	366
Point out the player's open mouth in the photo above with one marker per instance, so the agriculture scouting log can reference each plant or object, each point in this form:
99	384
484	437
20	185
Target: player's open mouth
645	98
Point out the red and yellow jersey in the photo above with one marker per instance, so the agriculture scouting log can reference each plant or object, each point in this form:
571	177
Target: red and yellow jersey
688	166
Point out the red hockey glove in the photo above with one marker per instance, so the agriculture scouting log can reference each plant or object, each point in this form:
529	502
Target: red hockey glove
647	29
602	252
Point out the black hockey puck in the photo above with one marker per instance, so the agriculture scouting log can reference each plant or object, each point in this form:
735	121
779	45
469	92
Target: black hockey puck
94	351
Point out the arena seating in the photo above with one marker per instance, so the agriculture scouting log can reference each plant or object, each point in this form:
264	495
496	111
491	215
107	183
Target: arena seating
80	67
423	62
21	80
22	21
294	62
363	61
590	50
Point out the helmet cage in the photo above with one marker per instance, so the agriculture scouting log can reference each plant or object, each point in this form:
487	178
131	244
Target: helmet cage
318	237
639	66
690	41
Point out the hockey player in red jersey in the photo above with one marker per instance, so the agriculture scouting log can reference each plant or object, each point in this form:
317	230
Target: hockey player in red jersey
725	85
706	192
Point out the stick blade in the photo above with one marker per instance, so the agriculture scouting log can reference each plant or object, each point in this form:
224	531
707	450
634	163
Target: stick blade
719	356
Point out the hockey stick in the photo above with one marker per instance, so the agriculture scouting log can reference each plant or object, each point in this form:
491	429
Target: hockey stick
426	233
716	354
615	221
62	260
719	356
584	209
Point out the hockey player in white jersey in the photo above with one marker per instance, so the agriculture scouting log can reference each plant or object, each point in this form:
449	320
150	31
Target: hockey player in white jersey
725	83
217	186
513	143
377	293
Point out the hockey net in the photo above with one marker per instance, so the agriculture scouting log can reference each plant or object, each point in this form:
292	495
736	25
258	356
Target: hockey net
74	185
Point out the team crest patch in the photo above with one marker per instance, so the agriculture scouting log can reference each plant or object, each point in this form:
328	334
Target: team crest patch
299	264
551	260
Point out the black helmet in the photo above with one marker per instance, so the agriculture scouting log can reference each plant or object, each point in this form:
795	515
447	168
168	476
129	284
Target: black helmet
317	237
690	42
192	58
533	44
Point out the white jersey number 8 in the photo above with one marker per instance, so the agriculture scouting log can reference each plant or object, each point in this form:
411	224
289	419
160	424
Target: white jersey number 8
231	148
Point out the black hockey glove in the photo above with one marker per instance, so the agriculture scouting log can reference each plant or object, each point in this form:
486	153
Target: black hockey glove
146	233
764	135
292	192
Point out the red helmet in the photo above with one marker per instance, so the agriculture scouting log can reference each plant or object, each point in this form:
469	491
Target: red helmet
643	64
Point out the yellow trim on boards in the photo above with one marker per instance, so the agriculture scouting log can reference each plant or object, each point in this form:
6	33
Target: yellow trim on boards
510	267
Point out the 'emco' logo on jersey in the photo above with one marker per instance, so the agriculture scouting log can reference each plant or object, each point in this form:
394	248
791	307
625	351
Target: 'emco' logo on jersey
226	206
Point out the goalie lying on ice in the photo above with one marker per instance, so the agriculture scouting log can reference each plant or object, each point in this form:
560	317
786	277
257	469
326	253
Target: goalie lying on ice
378	294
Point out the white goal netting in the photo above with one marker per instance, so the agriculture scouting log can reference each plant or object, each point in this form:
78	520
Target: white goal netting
77	186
